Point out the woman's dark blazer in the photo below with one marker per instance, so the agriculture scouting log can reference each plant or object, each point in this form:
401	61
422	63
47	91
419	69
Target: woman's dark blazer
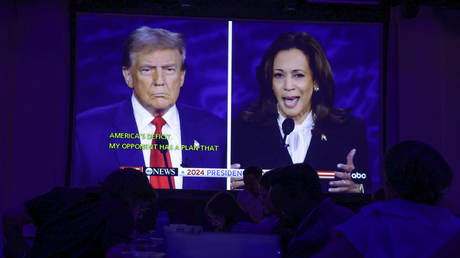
262	146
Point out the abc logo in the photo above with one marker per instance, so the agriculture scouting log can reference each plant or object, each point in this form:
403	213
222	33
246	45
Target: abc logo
148	171
358	175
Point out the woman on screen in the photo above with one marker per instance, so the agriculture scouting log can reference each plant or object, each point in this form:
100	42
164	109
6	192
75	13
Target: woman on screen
297	86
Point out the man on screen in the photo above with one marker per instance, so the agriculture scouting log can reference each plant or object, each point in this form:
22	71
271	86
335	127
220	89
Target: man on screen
149	129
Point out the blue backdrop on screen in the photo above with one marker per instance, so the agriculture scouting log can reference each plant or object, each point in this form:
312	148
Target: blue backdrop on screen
99	43
354	54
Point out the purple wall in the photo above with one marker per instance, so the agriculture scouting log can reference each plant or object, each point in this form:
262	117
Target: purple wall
422	93
34	99
424	85
7	50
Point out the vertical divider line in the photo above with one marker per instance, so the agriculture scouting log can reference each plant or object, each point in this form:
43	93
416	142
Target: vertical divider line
229	100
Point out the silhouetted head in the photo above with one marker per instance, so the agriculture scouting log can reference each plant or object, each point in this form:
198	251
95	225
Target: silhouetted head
295	191
415	171
131	187
223	211
265	184
251	178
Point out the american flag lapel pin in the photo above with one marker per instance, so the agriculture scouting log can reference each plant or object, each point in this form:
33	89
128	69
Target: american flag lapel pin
323	137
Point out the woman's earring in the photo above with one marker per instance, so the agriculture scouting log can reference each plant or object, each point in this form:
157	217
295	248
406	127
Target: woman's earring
316	88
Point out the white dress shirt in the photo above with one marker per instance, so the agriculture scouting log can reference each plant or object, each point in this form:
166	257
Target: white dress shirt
299	139
172	128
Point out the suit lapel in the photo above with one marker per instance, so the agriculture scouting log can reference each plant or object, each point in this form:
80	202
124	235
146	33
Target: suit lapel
189	158
313	152
320	150
277	147
125	123
187	134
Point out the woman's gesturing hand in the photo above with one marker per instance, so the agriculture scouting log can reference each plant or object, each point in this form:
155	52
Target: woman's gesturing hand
345	184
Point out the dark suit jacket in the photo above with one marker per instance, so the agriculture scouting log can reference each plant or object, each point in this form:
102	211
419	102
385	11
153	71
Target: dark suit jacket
93	160
262	146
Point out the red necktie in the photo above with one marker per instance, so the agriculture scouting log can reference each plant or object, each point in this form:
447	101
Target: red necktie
157	159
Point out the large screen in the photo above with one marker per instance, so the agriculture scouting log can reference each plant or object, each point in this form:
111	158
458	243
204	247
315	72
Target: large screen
218	113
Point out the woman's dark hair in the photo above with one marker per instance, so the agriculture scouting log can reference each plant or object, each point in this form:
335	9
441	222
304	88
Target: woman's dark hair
416	172
224	204
129	185
322	101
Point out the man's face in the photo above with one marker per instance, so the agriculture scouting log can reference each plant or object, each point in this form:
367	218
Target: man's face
156	77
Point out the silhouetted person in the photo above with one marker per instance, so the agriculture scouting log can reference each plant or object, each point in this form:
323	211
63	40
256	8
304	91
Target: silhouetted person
249	199
410	223
269	222
74	222
225	215
302	208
